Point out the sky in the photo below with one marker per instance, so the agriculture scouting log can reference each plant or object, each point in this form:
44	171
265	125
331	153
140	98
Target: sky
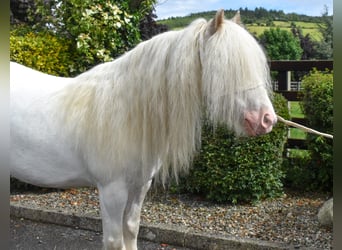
174	8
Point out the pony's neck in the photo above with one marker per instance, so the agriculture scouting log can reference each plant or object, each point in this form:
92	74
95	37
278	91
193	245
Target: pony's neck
149	100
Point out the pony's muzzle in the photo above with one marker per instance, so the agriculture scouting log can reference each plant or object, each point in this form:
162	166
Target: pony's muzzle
258	123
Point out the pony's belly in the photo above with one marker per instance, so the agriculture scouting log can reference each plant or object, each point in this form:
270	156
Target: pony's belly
40	153
46	164
46	161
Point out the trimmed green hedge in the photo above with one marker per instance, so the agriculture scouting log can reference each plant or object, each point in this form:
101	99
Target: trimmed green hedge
42	51
231	169
317	105
317	100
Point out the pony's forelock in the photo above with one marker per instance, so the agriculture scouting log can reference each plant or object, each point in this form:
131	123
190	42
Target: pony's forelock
233	63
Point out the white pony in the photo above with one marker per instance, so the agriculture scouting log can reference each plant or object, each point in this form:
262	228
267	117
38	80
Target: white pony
119	124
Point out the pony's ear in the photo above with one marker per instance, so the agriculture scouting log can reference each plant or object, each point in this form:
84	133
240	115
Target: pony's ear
237	18
217	22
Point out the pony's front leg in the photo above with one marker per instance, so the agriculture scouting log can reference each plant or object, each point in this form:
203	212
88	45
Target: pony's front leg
113	199
131	220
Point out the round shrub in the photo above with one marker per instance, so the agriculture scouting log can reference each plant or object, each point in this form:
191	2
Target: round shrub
281	44
317	105
231	169
41	51
317	100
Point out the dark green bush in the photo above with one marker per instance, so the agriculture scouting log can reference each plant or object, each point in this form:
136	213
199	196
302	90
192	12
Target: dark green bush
298	175
317	105
42	51
231	169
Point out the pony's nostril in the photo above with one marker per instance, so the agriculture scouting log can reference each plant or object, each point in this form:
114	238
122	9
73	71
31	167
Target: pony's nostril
268	121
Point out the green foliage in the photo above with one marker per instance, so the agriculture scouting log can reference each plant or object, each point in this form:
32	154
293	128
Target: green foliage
100	30
307	44
42	51
316	48
231	169
317	104
298	174
96	43
317	100
313	171
281	44
325	47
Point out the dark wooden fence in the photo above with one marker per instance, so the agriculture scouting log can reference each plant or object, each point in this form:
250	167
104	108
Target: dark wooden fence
289	89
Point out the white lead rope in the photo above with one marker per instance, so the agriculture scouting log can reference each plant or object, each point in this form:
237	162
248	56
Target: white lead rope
309	130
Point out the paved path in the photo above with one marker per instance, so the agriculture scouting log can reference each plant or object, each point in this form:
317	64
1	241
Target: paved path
30	235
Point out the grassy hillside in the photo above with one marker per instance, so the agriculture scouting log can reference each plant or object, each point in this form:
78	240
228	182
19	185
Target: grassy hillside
307	28
256	21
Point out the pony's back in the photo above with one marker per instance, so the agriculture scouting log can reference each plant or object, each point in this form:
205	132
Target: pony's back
29	84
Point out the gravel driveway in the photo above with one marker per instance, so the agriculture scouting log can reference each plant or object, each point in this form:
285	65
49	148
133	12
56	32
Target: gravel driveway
291	219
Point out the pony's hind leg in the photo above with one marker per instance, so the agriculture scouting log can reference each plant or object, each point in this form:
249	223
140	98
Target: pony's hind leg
113	198
131	220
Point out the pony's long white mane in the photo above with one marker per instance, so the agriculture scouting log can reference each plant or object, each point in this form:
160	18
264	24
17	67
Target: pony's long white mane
150	100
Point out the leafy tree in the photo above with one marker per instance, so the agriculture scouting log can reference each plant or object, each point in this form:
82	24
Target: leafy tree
149	27
306	43
100	29
281	44
325	48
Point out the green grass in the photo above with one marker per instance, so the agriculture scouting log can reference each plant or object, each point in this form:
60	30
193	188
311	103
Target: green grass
296	111
307	28
299	153
256	30
297	134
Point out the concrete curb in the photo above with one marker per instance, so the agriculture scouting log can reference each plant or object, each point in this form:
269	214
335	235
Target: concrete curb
156	233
